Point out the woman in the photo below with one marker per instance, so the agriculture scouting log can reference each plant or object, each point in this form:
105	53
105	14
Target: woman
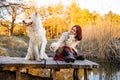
65	46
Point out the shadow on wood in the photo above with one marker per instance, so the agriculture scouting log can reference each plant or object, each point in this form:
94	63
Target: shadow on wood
11	75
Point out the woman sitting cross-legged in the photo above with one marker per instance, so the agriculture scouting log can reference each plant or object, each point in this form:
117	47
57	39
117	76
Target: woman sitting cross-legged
64	48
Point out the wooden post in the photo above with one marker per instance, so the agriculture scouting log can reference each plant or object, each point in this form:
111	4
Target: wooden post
51	73
54	74
86	74
18	74
76	74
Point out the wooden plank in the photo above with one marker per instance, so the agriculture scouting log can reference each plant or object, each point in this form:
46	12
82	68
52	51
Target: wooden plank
84	64
19	62
78	64
49	63
63	64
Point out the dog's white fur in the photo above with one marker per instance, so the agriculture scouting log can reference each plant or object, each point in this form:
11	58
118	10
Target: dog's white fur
38	41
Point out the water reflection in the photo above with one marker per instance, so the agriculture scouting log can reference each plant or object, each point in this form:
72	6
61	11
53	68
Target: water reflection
107	71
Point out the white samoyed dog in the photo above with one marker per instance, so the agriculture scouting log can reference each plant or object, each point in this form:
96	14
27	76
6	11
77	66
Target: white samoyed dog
37	35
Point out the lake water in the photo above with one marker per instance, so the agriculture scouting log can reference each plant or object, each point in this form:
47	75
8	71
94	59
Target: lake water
107	71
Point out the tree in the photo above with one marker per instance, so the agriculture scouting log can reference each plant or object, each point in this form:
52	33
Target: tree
74	14
9	12
55	22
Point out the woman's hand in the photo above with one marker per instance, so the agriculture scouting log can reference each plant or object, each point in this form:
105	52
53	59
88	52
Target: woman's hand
53	46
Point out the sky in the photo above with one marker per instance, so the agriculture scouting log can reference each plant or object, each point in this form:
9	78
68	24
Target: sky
100	6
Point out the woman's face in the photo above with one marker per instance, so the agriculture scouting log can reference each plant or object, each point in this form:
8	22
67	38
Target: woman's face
73	30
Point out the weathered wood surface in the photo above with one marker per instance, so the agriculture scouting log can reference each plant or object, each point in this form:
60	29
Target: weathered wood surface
49	63
20	63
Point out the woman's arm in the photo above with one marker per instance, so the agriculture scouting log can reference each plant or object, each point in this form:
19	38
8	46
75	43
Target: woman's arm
72	42
70	39
55	45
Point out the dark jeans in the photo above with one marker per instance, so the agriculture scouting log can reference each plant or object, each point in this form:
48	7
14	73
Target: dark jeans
68	56
76	56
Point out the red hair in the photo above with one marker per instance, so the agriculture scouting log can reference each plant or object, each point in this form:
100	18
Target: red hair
79	32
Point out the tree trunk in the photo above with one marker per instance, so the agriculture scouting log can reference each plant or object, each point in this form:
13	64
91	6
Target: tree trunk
13	22
10	32
11	28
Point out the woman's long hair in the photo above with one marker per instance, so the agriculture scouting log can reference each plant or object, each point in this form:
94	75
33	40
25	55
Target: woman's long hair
79	32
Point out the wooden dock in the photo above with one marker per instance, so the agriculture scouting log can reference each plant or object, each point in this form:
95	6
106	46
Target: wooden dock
19	63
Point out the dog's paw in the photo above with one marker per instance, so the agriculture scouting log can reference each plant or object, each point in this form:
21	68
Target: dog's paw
26	58
39	60
45	56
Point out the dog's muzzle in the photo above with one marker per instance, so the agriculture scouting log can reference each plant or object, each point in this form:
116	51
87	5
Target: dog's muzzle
23	21
27	24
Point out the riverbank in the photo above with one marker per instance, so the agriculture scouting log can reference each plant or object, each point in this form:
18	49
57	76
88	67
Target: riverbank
16	46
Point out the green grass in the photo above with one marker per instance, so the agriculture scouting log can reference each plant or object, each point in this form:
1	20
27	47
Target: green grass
17	46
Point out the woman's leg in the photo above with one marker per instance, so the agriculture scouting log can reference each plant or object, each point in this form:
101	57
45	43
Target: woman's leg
68	56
